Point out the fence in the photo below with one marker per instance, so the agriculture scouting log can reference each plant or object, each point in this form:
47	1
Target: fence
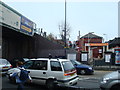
102	65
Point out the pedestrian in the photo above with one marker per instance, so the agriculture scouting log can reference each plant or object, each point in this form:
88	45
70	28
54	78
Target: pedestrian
50	56
21	75
19	65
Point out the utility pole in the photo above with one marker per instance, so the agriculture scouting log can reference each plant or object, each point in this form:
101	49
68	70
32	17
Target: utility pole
65	32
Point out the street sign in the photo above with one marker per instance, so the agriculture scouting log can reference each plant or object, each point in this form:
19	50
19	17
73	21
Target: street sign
96	44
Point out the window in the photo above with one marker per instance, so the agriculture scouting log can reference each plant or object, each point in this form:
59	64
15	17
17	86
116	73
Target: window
68	66
40	65
28	65
55	66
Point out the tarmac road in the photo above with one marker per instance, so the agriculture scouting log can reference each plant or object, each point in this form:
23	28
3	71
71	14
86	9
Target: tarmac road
86	82
91	81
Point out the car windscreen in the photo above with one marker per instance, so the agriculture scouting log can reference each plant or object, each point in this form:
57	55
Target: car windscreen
68	66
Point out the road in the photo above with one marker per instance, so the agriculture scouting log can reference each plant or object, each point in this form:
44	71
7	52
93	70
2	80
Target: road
97	74
91	81
6	85
86	82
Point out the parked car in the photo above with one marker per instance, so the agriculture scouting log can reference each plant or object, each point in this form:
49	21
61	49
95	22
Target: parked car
82	68
25	59
4	66
50	72
110	81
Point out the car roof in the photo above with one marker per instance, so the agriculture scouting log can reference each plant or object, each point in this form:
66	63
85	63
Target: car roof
57	59
2	59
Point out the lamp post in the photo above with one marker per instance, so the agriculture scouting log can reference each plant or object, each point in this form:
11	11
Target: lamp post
105	37
104	48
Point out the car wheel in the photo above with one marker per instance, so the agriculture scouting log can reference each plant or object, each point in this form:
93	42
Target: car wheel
82	72
115	87
50	84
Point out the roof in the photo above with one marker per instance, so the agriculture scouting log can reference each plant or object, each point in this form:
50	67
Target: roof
90	35
52	59
115	42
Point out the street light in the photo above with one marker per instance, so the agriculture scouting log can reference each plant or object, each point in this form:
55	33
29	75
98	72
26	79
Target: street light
105	37
105	48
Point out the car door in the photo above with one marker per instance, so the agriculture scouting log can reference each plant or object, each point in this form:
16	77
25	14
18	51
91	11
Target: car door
38	70
56	70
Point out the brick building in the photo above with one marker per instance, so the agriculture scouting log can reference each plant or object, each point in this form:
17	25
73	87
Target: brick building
92	44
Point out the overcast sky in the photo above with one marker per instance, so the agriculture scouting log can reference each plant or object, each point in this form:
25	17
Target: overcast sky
98	17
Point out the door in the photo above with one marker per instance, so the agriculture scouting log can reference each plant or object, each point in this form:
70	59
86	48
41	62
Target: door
38	70
56	70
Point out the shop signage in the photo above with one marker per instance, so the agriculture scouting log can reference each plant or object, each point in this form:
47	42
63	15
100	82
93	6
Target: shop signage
26	26
98	44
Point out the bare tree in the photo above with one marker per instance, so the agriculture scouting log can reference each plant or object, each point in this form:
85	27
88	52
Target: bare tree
51	36
62	30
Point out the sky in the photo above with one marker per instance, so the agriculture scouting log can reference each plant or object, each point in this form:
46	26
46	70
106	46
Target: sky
98	16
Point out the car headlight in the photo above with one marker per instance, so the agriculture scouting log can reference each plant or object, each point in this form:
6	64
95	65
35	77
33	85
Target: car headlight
105	80
90	68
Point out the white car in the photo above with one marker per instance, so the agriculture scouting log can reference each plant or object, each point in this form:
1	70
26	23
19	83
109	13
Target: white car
49	72
4	66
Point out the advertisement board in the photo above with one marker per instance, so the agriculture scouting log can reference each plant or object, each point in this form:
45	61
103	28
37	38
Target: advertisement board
26	26
84	57
107	58
8	17
117	56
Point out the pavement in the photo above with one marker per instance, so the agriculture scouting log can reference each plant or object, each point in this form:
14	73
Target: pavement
107	68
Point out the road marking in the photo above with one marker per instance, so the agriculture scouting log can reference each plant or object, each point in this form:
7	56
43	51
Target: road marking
91	79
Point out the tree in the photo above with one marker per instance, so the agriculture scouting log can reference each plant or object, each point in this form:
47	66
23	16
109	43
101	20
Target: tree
51	36
62	30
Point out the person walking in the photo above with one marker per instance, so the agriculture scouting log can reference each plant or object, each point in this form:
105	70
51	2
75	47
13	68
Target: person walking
20	83
21	75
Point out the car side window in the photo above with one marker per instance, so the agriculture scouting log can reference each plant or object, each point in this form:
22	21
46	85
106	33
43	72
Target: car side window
55	66
40	65
28	65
